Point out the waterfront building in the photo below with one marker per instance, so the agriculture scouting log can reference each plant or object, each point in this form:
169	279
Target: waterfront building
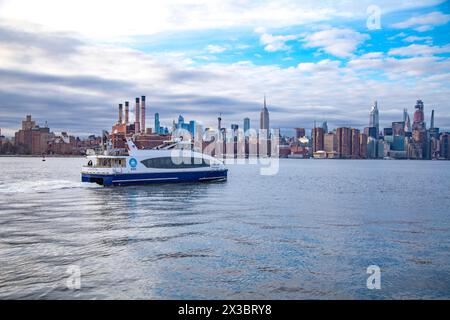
344	142
371	148
355	143
330	145
320	154
363	145
32	139
36	140
444	145
382	149
317	139
374	120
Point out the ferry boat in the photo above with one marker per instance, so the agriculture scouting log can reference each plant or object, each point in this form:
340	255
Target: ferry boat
173	161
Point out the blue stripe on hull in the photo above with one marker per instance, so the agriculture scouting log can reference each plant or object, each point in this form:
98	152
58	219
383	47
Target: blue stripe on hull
149	178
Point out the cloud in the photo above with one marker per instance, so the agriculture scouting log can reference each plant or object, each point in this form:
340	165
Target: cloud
76	83
321	66
424	22
215	48
419	50
276	43
108	19
338	42
427	39
398	35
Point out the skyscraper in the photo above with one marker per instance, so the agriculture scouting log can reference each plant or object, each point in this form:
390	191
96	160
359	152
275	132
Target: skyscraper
362	145
355	144
300	132
407	124
264	117
374	120
325	127
318	136
418	121
180	120
157	124
417	146
432	119
192	127
344	142
246	125
330	144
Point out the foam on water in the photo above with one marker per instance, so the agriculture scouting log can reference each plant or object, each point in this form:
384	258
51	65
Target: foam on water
42	186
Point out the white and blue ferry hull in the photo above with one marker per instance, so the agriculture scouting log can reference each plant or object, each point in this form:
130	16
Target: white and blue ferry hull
124	179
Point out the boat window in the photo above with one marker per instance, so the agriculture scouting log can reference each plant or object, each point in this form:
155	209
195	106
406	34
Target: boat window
111	162
167	163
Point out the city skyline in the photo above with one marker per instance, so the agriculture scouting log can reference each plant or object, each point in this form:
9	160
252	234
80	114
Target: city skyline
324	62
154	118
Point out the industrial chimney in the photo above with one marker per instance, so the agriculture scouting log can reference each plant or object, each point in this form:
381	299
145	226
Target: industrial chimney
120	113
127	112
136	114
143	114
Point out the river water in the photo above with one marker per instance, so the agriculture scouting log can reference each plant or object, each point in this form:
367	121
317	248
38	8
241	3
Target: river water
308	232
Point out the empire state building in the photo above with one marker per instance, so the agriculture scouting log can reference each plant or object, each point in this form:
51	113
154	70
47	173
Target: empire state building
264	117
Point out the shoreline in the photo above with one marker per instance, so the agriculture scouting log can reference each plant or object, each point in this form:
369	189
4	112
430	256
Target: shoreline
290	158
39	156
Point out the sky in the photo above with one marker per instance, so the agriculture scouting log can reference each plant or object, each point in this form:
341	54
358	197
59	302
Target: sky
71	63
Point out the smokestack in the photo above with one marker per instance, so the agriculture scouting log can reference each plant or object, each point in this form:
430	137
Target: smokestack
120	113
143	114
127	112
136	119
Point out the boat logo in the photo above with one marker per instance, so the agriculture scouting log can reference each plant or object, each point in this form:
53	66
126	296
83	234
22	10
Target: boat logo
133	162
